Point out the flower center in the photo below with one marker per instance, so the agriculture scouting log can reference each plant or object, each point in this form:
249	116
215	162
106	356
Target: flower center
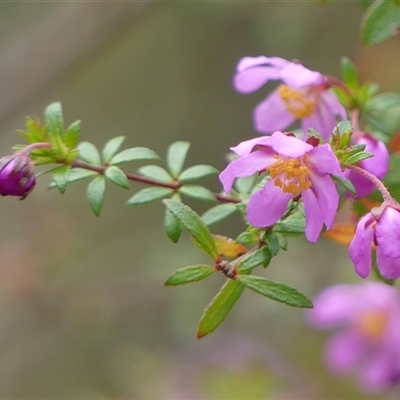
298	102
291	174
373	324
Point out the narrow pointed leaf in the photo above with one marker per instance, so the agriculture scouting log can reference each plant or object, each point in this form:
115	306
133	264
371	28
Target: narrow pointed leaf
197	172
117	177
54	118
172	226
89	153
219	308
96	192
176	156
149	195
76	174
259	257
345	183
111	148
60	177
355	158
192	273
134	154
349	73
218	213
71	136
197	192
155	172
275	291
196	227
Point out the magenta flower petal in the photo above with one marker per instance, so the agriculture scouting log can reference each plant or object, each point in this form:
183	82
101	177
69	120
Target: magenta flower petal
389	267
379	164
322	120
325	160
298	76
343	351
267	205
333	104
249	62
245	166
314	216
272	114
361	245
326	195
289	146
244	148
375	374
388	233
332	307
252	79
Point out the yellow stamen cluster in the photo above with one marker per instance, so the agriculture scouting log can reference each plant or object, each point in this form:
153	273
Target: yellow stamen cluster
373	324
298	102
291	174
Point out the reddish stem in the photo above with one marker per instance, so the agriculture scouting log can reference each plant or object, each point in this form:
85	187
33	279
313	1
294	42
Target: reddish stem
387	197
137	178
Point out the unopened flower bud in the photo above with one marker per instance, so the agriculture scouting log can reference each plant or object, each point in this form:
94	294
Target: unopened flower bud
17	177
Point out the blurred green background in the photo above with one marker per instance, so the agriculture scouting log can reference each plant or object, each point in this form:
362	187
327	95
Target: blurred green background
83	310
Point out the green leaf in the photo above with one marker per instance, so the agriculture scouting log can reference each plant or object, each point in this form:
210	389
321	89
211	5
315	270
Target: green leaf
292	225
96	192
54	118
355	158
195	226
246	184
247	238
134	154
273	242
349	73
111	148
197	192
149	195
155	172
275	290
77	174
176	156
192	273
60	177
345	183
89	153
380	22
383	112
219	308
196	172
172	226
252	260
117	177
71	136
218	213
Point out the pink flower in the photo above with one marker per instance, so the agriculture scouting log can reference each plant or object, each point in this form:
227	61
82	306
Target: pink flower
367	343
377	165
381	227
296	168
303	95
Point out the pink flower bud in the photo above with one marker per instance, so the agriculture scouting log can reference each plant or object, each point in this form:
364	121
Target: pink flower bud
17	177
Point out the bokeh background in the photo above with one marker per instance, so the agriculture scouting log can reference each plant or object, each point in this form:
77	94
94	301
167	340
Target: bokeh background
83	310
